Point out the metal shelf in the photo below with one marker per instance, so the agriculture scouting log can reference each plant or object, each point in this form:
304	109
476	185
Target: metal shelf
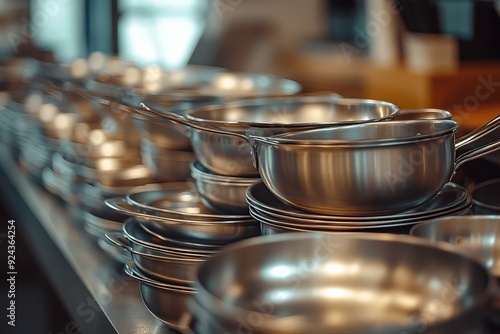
92	286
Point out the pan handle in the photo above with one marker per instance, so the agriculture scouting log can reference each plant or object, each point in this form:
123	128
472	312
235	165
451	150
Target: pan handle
477	153
478	133
147	111
474	153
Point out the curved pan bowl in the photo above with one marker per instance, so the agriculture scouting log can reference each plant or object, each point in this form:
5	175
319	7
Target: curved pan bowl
344	283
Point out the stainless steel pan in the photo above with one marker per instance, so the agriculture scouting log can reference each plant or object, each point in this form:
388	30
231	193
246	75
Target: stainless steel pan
217	149
344	283
375	168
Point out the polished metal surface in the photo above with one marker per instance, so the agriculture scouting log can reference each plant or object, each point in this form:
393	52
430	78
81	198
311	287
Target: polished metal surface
343	283
136	233
222	194
365	169
281	224
226	150
115	299
475	235
414	114
168	165
486	197
213	232
167	267
166	302
175	200
449	197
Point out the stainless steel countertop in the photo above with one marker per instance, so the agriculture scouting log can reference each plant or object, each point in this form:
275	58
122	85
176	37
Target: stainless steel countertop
117	298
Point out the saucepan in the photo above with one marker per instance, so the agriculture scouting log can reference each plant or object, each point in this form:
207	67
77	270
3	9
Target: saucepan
354	170
213	127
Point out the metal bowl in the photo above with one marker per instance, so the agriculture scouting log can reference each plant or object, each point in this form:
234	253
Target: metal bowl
414	114
365	169
176	200
167	302
222	194
218	130
166	267
212	232
474	235
168	165
344	283
485	196
138	234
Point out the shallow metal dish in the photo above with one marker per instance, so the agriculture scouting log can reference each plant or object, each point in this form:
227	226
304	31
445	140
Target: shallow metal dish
486	197
395	227
163	266
167	302
451	196
176	200
220	232
474	235
136	233
344	283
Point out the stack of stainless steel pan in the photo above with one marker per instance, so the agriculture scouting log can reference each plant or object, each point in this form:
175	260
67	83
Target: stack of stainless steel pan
340	283
277	217
169	235
220	136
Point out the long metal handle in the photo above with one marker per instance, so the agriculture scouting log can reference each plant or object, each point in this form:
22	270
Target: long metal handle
478	133
477	153
198	126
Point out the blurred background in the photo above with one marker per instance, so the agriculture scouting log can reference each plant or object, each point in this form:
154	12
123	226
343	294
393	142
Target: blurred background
417	54
441	54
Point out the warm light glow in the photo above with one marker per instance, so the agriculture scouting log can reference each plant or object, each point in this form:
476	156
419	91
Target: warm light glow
132	77
47	112
97	60
33	103
79	68
335	292
63	121
97	137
